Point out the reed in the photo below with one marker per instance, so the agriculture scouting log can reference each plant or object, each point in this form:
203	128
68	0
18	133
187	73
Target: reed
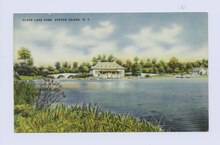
77	118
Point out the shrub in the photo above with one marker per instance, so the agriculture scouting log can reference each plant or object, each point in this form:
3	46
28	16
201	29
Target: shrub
147	76
24	92
50	92
85	118
24	110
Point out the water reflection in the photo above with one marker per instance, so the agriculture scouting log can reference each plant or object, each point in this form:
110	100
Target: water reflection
178	105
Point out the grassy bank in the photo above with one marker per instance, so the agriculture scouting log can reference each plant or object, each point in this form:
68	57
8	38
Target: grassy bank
30	77
77	118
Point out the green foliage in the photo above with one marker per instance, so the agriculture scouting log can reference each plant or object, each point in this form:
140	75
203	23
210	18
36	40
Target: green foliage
85	118
26	78
24	110
24	92
136	59
173	64
24	54
84	68
147	65
136	69
128	65
26	66
75	65
111	58
103	58
147	76
58	65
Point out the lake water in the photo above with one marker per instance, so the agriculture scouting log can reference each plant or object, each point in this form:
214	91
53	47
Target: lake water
177	104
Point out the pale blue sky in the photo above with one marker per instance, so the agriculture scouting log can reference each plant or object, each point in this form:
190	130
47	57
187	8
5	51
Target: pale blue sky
125	35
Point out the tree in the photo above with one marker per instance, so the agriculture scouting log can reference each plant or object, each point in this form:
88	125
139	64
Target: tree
205	62
148	63
84	69
75	65
173	64
99	58
136	59
189	67
50	69
94	60
128	66
24	54
103	59
154	61
182	67
142	63
111	58
26	66
118	61
30	62
136	69
161	66
57	65
65	67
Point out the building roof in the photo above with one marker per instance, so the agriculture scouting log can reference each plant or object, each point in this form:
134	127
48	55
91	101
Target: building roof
199	69
107	65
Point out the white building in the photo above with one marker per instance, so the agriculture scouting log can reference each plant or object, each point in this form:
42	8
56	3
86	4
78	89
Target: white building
199	71
108	70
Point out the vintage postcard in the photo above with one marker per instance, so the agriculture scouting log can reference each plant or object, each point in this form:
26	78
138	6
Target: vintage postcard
111	72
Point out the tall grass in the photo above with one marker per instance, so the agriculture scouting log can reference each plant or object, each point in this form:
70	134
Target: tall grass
61	118
78	118
24	93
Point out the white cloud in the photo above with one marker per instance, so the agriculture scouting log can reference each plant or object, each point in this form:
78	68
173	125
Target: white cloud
162	43
149	38
65	45
104	29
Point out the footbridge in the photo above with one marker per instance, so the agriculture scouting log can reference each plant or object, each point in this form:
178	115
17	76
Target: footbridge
63	75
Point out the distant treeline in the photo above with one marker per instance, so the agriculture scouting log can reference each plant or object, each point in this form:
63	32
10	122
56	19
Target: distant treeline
135	66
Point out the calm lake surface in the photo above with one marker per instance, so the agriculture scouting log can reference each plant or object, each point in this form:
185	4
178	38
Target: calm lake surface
177	104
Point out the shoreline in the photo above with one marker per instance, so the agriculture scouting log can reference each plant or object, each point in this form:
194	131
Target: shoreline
29	78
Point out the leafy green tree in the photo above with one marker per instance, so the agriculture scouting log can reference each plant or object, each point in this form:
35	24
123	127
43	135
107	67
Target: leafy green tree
136	69
99	58
84	69
205	62
30	62
173	64
118	61
189	67
182	67
103	59
65	67
154	61
111	58
75	65
136	59
148	63
142	63
26	66
161	66
128	65
57	65
24	54
94	60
